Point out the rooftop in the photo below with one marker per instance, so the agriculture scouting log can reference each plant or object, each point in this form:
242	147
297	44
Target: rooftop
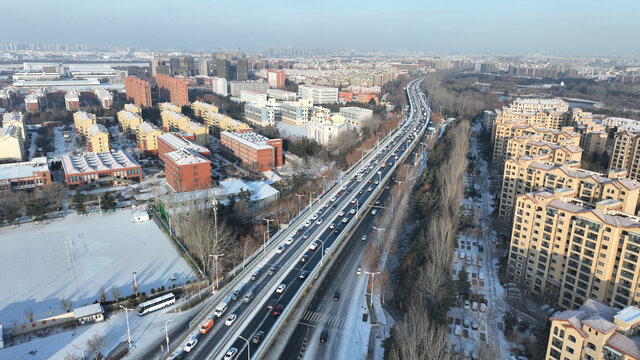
186	157
88	310
249	138
23	169
176	142
93	162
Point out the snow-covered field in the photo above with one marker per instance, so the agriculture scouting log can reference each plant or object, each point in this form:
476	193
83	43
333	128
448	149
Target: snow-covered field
287	130
74	257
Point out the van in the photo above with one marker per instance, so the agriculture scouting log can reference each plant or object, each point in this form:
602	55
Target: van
220	309
206	326
249	295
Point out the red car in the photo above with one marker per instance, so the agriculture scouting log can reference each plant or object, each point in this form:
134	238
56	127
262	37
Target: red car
338	194
277	310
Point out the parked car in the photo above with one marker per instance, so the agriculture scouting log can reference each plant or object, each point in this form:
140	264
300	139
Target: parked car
359	271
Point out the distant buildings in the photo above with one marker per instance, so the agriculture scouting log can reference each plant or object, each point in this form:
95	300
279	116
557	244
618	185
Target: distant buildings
242	69
262	113
147	137
72	100
323	127
222	68
254	150
35	101
97	138
276	78
318	94
356	116
138	91
25	175
116	168
219	86
281	95
172	89
105	97
236	87
296	112
252	96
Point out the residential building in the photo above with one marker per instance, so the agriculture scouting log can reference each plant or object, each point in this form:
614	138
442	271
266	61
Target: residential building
595	332
318	94
25	175
254	150
252	96
276	78
242	69
147	137
594	142
324	127
564	251
202	109
222	68
105	97
169	142
173	121
199	132
187	170
219	86
72	100
533	145
488	120
133	108
226	123
97	138
356	116
172	89
203	67
264	113
35	101
14	118
138	91
11	144
626	153
114	167
296	112
281	95
166	106
620	124
129	121
235	87
525	174
82	121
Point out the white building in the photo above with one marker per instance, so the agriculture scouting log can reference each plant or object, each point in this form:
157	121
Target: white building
281	95
219	86
296	112
263	113
356	116
622	124
252	96
235	87
105	97
93	312
324	127
319	94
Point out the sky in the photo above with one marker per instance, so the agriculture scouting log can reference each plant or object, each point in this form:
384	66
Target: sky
507	27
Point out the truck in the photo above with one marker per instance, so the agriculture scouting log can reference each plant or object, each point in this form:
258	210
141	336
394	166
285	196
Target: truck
206	326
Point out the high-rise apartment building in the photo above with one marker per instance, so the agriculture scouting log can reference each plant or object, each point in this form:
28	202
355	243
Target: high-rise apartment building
138	91
276	78
222	68
626	153
243	69
562	152
172	89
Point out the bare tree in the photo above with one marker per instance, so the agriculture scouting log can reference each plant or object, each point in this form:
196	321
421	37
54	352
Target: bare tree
115	292
66	304
102	295
95	345
71	356
29	314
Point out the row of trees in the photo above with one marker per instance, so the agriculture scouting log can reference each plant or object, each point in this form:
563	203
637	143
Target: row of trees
34	203
428	290
448	101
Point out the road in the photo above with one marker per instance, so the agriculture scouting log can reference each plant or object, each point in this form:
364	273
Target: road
354	190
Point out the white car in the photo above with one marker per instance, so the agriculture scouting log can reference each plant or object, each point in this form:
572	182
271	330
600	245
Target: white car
280	249
333	198
314	245
376	182
364	237
314	216
341	213
319	221
230	320
281	288
326	251
307	224
370	189
190	344
353	201
231	354
345	219
352	211
289	240
359	271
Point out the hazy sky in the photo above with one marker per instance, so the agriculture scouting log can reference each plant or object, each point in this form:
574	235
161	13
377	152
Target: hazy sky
559	27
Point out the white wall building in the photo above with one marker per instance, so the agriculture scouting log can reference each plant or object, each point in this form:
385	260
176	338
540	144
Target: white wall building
319	94
296	112
281	95
356	116
219	86
324	127
252	96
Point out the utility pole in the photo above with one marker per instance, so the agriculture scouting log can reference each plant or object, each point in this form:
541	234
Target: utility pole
299	195
373	277
379	230
126	311
166	333
215	258
311	197
268	222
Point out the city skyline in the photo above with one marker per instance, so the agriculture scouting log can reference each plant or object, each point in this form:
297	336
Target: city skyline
491	27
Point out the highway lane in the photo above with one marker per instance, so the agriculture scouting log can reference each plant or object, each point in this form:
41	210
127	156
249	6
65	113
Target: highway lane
264	320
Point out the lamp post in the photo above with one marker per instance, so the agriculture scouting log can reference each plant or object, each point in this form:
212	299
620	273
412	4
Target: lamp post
215	258
373	277
264	240
322	249
126	311
248	347
299	195
268	222
166	333
379	230
311	197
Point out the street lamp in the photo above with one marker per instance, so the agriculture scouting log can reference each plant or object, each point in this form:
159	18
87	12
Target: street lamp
379	230
264	240
268	222
373	277
126	311
215	258
299	195
248	347
322	249
311	197
166	333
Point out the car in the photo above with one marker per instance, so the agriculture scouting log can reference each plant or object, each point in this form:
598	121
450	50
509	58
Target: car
289	240
481	248
307	223
376	182
353	200
332	226
304	258
333	198
236	294
326	251
370	189
273	269
336	295
314	245
314	216
255	275
466	323
319	221
257	338
277	310
326	205
467	305
345	219
339	194
359	271
190	344
306	234
374	212
303	274
369	182
364	237
231	319
324	335
352	211
280	288
360	192
272	303
377	203
280	249
206	326
337	230
231	354
344	188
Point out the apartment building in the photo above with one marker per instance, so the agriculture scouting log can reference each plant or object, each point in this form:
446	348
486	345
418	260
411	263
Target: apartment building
235	87
147	137
252	96
138	91
296	112
356	116
25	175
595	331
199	132
11	144
533	145
82	121
225	123
254	150
72	100
133	108
105	97
187	170
114	167
281	95
174	90
509	130
564	251
525	174
97	138
626	153
262	113
202	109
170	142
14	118
594	142
220	86
173	121
318	94
167	106
276	78
129	121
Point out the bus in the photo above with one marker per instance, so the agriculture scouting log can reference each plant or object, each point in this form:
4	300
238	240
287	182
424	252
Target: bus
156	304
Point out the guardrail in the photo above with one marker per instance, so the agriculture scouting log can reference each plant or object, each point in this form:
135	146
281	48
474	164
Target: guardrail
270	337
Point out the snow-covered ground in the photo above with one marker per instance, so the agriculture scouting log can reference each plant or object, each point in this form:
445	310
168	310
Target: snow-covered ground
287	130
75	256
61	146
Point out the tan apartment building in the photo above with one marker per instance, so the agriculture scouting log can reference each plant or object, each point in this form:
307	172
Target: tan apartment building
166	106
626	153
97	138
525	174
83	121
173	121
510	130
202	109
129	121
11	144
594	142
199	132
534	145
596	332
147	137
564	251
133	108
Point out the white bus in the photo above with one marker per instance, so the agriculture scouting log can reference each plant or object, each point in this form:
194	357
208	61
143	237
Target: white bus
156	304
